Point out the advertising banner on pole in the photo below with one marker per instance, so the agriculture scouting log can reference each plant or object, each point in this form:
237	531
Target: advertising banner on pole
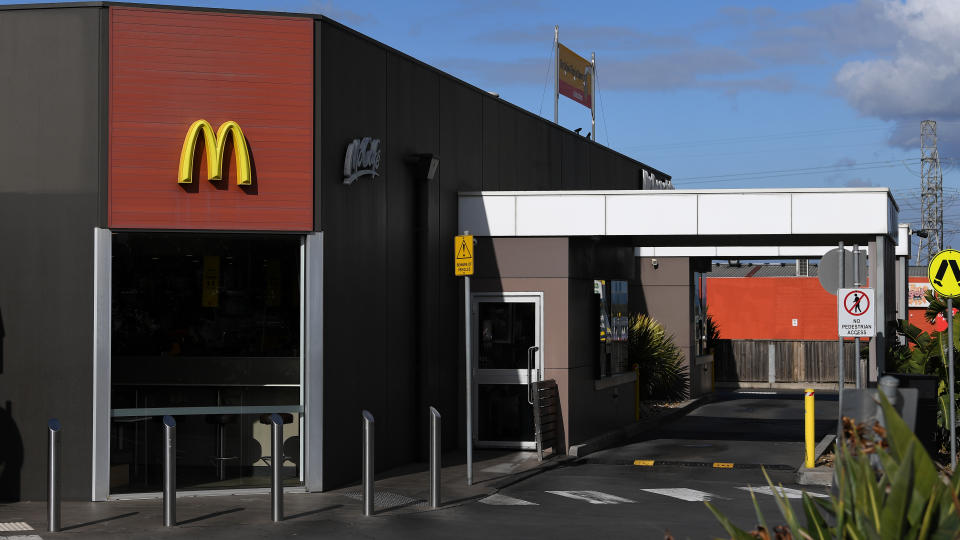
575	75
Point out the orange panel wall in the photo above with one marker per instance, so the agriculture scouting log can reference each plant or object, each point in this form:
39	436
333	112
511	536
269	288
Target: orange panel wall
764	308
169	68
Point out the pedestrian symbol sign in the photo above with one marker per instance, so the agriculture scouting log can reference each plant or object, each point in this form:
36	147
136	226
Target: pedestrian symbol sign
856	315
856	303
944	273
463	255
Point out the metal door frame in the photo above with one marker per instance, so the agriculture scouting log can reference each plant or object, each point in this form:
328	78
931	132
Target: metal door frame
504	376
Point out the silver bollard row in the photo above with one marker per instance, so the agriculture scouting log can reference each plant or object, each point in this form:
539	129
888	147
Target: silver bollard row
368	497
169	471
53	475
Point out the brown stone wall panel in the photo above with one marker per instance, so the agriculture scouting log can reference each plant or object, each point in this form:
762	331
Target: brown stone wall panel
521	257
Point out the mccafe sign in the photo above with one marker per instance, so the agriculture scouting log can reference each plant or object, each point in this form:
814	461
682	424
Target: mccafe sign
362	159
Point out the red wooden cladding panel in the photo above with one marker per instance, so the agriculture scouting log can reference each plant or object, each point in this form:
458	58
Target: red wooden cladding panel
169	68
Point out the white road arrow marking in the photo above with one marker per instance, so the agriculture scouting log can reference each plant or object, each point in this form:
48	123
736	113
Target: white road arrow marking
789	493
592	497
502	500
686	494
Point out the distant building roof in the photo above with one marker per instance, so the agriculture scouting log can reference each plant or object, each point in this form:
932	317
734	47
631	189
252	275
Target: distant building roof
784	269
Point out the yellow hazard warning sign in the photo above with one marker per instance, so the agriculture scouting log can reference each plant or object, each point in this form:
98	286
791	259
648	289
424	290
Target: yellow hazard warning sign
944	273
463	255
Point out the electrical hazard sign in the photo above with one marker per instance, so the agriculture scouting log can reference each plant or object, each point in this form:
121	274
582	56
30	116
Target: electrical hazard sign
944	273
463	255
856	314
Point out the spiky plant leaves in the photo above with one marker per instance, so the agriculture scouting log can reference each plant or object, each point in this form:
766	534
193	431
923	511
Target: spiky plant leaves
663	372
817	527
894	513
734	532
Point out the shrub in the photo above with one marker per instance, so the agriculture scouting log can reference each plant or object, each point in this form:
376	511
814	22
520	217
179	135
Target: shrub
663	372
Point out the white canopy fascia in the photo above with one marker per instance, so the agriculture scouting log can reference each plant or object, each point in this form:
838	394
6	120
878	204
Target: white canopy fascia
787	214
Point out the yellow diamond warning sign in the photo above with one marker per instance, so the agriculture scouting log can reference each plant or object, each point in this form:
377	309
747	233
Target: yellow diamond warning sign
944	273
463	255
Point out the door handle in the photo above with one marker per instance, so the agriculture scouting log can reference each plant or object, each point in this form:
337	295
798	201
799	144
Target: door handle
530	352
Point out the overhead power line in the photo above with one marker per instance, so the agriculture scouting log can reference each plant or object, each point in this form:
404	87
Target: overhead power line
823	169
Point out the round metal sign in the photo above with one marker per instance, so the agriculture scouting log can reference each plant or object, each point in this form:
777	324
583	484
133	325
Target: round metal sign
944	273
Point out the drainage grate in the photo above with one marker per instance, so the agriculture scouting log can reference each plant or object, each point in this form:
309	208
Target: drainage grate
15	526
386	499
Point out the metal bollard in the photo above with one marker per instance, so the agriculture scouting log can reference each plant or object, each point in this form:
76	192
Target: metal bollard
434	458
808	432
276	486
888	385
53	476
368	506
169	471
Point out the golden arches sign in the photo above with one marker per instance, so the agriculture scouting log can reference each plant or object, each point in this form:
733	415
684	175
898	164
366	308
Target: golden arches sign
215	145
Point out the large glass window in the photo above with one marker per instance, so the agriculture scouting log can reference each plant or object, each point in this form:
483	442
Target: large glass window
205	328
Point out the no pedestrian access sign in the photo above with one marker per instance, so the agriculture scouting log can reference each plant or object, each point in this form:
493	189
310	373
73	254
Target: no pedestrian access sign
856	314
463	255
944	273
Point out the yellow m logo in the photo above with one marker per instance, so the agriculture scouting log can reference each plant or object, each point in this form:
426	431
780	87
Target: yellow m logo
215	145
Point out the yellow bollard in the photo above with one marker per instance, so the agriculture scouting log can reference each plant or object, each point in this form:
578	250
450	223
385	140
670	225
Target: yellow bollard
636	393
808	431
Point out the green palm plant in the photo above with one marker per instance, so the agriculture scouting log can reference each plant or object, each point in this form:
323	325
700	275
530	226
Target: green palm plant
663	372
927	353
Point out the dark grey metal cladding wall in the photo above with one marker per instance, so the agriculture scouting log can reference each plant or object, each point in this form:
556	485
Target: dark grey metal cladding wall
392	331
412	218
461	169
49	149
354	221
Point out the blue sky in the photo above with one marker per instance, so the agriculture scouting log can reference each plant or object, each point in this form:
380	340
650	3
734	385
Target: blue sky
735	94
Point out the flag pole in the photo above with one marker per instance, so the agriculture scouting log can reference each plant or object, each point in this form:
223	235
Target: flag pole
593	97
556	74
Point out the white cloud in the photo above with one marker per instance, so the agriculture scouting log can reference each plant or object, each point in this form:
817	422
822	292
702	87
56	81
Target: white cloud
920	78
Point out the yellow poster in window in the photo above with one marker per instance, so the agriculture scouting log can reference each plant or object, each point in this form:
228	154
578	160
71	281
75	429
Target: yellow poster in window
211	281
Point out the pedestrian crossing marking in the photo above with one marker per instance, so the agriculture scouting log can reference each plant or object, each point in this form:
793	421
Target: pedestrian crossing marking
592	497
503	500
22	537
686	494
789	493
15	526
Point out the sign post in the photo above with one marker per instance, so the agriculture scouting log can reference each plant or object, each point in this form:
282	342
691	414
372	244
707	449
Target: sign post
463	266
856	340
944	275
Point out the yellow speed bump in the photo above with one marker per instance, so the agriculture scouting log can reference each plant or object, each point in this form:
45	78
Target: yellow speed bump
722	465
643	462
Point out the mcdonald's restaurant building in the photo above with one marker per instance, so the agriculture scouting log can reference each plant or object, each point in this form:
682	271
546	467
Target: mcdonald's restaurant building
219	215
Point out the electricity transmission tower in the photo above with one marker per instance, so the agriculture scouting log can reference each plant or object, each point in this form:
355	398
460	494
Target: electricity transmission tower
931	193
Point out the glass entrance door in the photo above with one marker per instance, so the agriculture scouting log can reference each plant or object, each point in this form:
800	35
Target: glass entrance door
508	338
